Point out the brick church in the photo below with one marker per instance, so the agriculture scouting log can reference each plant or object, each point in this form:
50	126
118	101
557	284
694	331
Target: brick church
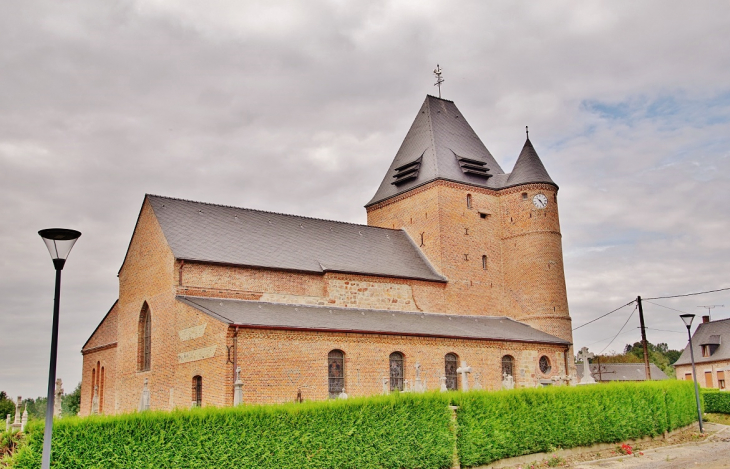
456	281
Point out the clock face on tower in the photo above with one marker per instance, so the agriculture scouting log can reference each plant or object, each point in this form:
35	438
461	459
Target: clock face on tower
540	201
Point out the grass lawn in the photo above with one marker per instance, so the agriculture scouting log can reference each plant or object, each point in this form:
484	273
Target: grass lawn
717	418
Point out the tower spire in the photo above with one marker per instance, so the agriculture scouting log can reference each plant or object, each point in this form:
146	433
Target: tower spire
439	79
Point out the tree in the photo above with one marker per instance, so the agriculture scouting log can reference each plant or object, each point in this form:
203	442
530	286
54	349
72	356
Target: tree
7	406
71	403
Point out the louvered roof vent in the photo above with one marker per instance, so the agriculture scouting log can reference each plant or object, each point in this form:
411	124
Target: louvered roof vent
473	167
407	171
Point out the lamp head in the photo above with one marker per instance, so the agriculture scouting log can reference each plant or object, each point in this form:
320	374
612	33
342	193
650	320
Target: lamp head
59	242
687	318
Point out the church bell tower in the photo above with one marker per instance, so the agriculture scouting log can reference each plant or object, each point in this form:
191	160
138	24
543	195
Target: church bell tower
494	235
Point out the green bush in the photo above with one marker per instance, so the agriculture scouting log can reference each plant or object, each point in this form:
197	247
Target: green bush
497	425
716	402
399	431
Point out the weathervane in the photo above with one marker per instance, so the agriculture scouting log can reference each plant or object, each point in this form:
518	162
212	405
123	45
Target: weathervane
439	79
527	131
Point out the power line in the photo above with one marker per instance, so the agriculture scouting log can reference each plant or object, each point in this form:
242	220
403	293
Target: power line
657	304
622	328
603	340
599	317
688	294
664	330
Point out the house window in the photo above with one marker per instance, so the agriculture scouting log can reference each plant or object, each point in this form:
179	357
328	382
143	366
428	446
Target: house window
705	350
688	377
484	262
336	372
450	364
468	200
396	371
708	379
721	379
508	364
197	391
545	365
144	344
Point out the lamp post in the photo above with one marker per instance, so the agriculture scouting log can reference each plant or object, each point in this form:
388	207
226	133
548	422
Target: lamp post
687	318
59	242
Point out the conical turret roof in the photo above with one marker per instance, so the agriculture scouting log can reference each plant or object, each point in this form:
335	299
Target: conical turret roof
528	168
439	145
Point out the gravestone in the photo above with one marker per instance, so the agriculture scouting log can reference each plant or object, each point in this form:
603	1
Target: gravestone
385	385
418	387
58	398
7	421
238	388
342	395
464	370
585	355
24	419
144	400
443	384
508	382
477	382
16	422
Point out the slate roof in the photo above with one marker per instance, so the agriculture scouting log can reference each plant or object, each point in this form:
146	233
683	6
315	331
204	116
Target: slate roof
528	168
447	147
198	231
705	334
323	318
623	372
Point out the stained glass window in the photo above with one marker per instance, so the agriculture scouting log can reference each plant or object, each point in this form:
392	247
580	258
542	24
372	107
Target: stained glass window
508	363
545	364
144	354
197	391
396	371
336	372
450	363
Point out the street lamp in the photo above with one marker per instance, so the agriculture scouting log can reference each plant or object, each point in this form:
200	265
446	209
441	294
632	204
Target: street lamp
687	318
59	242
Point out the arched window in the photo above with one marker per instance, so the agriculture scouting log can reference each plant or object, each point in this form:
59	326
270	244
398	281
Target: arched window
484	262
396	371
197	391
450	366
336	372
468	200
508	366
101	391
144	339
93	384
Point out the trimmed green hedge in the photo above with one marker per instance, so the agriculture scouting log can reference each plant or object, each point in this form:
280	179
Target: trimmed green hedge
717	402
497	425
398	431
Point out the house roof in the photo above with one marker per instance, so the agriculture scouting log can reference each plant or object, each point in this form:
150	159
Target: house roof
323	318
442	145
203	232
623	372
708	333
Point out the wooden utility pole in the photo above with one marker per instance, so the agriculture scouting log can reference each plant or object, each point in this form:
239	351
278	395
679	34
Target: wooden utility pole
643	339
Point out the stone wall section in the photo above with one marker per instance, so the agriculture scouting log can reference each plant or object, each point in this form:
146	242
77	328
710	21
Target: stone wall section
276	363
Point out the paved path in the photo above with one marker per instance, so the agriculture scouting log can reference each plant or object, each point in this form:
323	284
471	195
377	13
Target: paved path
713	453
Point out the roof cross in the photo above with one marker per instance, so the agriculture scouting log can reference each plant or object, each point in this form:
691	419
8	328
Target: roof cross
439	79
527	131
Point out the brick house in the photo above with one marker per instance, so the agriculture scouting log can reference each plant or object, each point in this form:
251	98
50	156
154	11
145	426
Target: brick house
460	264
711	346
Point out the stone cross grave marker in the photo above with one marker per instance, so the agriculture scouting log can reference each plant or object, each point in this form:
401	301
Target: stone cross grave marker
16	422
385	385
238	388
585	355
418	387
442	380
464	370
508	382
144	400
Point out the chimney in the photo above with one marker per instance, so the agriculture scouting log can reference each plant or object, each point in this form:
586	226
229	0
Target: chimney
705	319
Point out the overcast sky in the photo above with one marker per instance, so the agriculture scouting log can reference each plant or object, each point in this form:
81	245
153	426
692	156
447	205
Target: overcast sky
299	107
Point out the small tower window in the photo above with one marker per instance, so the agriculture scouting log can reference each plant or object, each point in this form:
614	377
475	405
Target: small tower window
484	262
545	365
197	391
524	196
468	200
